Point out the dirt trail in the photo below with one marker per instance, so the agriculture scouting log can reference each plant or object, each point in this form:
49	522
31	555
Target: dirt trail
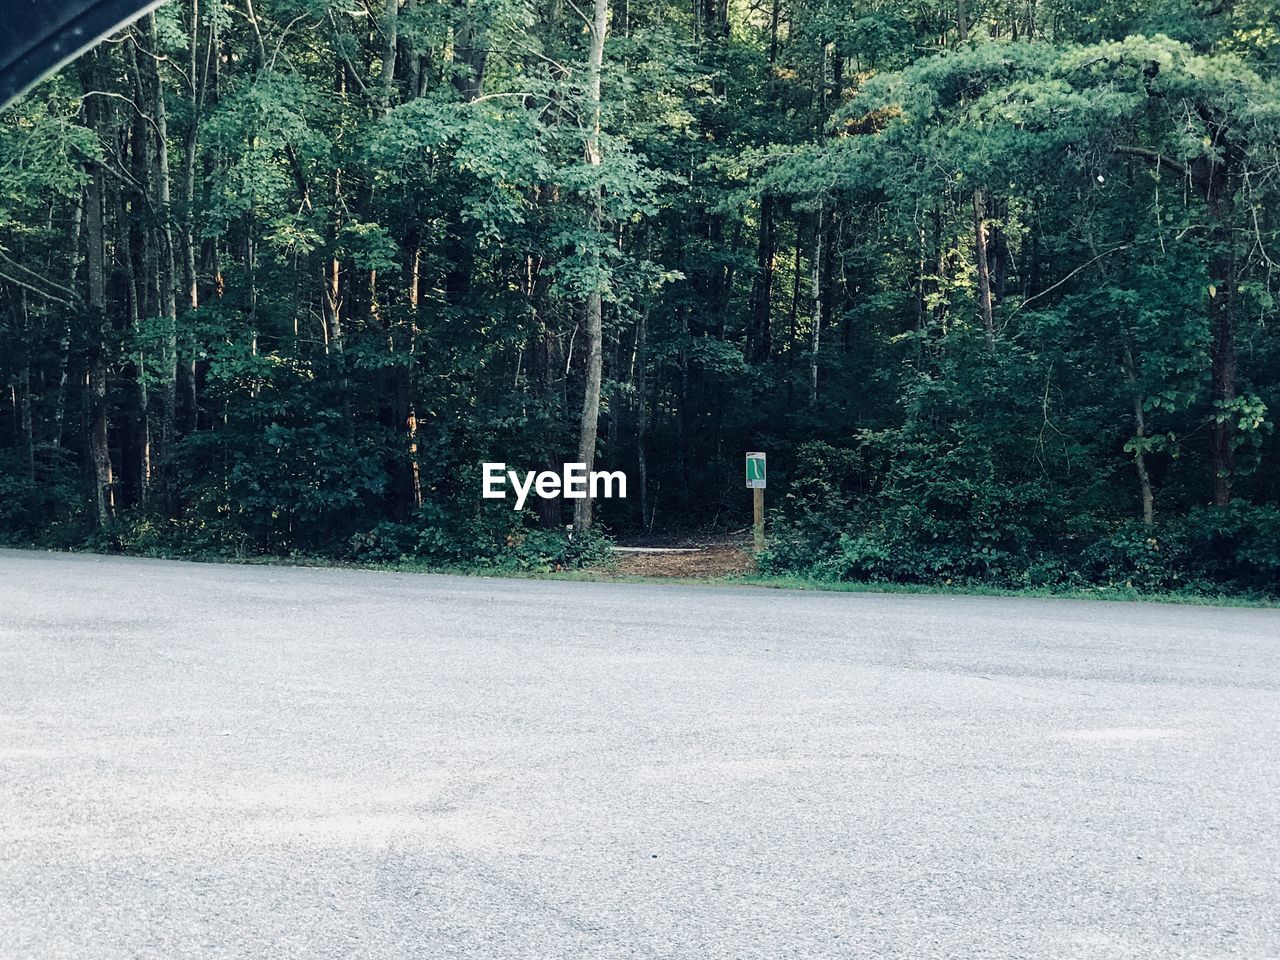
719	557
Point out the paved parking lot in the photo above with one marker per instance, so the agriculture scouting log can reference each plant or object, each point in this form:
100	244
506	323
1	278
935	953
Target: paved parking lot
255	762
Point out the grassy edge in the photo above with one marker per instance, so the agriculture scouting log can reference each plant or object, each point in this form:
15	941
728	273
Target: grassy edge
798	583
761	581
980	590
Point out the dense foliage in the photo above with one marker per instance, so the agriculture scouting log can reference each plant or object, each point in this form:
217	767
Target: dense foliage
992	284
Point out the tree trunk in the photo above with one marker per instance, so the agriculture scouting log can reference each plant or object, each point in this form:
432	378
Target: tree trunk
715	18
331	272
411	62
26	434
918	291
984	270
389	54
167	275
642	412
774	16
96	375
594	321
198	81
816	290
593	314
470	51
95	381
190	143
759	340
547	360
1222	356
140	455
406	406
64	343
1140	433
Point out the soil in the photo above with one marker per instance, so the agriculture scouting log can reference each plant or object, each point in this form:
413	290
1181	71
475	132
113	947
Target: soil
721	556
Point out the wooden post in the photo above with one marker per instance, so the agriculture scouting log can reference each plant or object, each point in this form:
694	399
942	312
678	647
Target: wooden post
756	483
757	496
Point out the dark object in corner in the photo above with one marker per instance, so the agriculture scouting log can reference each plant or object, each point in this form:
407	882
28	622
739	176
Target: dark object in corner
38	36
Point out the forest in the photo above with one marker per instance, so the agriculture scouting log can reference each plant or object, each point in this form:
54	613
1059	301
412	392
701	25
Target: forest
992	283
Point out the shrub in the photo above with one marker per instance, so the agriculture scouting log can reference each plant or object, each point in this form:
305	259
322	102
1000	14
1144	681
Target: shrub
46	510
493	536
1136	556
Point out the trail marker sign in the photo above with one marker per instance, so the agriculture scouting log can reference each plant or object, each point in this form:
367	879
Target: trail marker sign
755	483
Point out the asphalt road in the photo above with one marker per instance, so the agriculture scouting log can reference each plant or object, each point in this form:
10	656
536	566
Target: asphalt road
249	762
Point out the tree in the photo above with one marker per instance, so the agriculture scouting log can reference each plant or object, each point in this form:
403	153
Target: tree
593	312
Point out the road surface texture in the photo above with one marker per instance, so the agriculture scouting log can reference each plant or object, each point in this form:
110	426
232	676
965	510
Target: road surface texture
255	762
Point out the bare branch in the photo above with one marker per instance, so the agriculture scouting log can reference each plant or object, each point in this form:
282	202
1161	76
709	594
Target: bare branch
120	96
15	265
1159	159
1083	266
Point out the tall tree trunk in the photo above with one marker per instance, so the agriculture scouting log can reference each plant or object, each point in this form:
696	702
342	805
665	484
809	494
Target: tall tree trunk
1222	268
470	50
331	273
816	292
1140	433
197	82
96	369
64	342
470	54
96	374
406	414
26	431
409	57
759	340
166	279
546	349
141	453
984	270
190	143
642	412
715	19
918	291
389	54
998	254
979	222
682	412
774	16
594	321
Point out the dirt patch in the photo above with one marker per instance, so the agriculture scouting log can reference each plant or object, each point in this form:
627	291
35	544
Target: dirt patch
720	559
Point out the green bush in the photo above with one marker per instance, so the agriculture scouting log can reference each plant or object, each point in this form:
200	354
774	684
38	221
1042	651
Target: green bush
1235	547
944	514
276	489
493	536
1138	557
1211	549
193	536
47	510
806	533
